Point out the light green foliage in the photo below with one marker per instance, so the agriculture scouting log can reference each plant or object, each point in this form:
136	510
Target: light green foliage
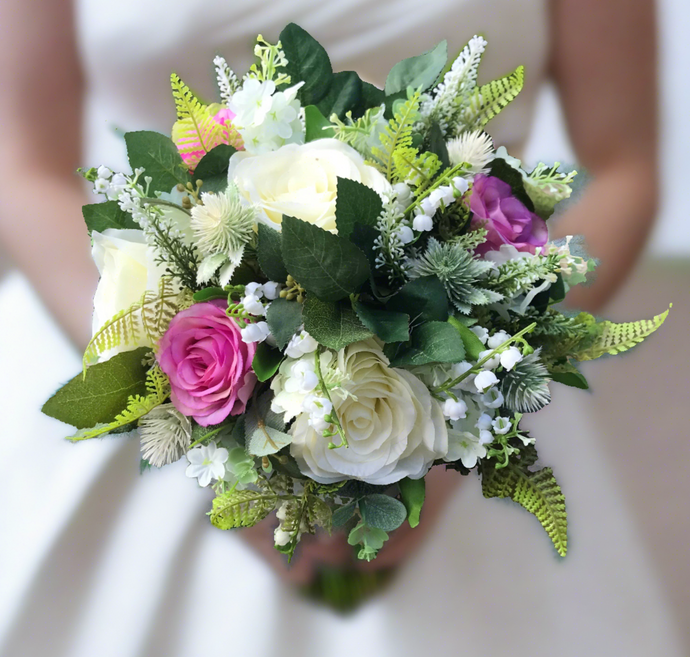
488	100
611	338
413	493
471	240
270	59
538	492
526	387
397	138
370	538
334	325
157	388
520	275
147	319
547	186
363	134
242	508
415	168
99	395
462	276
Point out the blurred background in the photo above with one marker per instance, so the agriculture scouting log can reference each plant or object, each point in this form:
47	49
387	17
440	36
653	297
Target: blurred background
639	399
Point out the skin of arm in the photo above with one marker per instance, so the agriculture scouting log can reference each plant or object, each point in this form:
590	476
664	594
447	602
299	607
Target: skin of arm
603	62
40	215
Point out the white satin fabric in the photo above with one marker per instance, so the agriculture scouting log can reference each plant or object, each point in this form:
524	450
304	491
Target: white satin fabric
98	560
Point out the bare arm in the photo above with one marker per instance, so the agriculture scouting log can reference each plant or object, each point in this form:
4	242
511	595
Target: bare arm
40	214
604	64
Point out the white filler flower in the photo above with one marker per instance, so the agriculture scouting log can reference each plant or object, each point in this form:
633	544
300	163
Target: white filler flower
207	462
394	427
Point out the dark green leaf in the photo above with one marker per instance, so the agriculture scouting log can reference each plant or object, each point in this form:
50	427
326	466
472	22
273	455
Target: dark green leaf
213	168
363	237
387	325
569	375
372	96
422	299
270	254
317	125
343	95
159	157
342	514
413	492
308	62
333	325
557	291
327	265
101	216
501	169
473	345
98	397
420	71
210	293
284	319
433	342
437	145
355	204
382	512
266	362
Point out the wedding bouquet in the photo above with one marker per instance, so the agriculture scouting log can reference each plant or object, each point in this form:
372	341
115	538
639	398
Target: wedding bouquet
317	290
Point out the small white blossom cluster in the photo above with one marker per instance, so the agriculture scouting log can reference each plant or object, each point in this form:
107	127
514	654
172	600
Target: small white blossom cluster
471	410
285	530
265	118
253	304
571	266
439	198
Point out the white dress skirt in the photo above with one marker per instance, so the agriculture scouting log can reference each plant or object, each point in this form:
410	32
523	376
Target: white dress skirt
96	559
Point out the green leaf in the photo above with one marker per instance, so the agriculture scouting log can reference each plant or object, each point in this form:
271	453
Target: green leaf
213	168
101	216
343	95
372	96
574	379
267	440
342	514
308	62
501	169
266	362
326	265
209	293
422	299
334	325
100	394
437	145
270	255
387	325
371	539
241	508
413	492
473	345
432	342
317	125
382	512
159	157
417	72
355	204
284	319
364	238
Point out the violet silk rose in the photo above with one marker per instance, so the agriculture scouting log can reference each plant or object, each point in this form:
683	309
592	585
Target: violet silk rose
209	367
505	217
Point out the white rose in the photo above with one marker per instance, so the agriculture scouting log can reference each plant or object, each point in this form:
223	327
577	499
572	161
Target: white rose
394	427
301	180
127	268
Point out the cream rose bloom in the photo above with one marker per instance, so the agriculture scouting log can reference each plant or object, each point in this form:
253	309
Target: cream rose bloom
301	180
394	428
127	268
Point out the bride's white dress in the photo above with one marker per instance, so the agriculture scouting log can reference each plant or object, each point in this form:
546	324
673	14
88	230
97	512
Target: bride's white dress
98	560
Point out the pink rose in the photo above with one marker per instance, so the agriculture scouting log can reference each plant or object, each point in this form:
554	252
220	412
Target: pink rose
505	217
209	367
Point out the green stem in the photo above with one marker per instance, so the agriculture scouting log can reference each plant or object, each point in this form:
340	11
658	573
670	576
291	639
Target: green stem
170	204
327	394
206	436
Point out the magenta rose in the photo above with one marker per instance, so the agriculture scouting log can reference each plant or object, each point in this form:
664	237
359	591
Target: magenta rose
209	367
504	216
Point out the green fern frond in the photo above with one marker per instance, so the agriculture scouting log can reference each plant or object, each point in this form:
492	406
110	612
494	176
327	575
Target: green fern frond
158	388
612	338
538	492
415	168
148	318
488	100
526	387
397	135
362	133
241	508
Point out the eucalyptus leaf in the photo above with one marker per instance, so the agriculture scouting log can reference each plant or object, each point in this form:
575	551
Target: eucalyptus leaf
417	72
388	325
101	216
270	255
413	492
422	299
334	325
355	204
382	512
327	265
343	95
102	393
432	342
159	156
284	319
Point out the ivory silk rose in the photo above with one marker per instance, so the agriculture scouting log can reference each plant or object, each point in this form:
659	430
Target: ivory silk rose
301	180
395	429
208	364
